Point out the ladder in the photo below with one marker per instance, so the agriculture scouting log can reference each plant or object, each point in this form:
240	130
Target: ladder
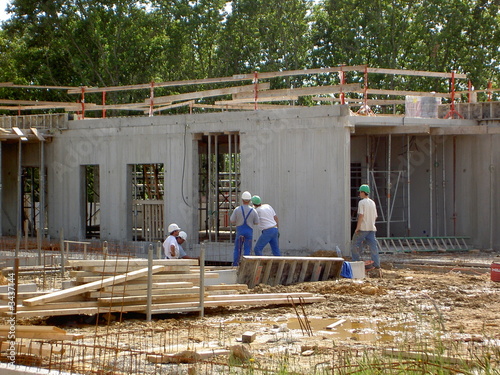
391	245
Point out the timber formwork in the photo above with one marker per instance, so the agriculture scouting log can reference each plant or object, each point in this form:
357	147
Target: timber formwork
286	270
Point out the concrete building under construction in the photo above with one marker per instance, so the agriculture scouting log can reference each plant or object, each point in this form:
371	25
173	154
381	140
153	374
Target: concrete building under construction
433	173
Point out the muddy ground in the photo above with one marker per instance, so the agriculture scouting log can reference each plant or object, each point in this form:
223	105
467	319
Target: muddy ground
416	296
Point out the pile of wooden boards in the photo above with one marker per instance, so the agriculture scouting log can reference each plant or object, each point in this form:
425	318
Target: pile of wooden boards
121	285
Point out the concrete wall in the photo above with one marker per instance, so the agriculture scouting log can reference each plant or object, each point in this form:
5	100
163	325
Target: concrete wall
297	160
452	184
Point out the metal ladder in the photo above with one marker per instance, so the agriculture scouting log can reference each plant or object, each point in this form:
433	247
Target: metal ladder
391	245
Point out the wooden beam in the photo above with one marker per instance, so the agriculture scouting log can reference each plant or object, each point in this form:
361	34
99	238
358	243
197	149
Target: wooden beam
130	262
61	294
421	73
406	93
209	93
38	134
300	91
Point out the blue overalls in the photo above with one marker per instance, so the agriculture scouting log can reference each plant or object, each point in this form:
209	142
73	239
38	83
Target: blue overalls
246	231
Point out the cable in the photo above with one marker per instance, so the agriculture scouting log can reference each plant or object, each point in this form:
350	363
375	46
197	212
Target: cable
184	166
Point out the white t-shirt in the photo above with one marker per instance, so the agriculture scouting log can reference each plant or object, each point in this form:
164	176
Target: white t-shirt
366	207
171	240
266	216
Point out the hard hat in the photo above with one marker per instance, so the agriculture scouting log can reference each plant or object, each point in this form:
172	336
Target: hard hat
365	189
246	196
172	228
183	235
256	200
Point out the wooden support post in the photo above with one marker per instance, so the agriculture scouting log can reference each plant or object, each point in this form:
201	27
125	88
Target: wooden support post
291	273
150	283
267	271
62	251
279	272
303	271
202	280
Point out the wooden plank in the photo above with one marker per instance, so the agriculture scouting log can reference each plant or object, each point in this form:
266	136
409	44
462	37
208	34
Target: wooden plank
279	272
144	286
135	293
267	271
326	272
264	257
210	93
405	93
159	308
128	300
187	356
300	91
420	73
157	278
291	272
34	348
303	271
316	271
40	333
337	323
128	262
112	269
55	296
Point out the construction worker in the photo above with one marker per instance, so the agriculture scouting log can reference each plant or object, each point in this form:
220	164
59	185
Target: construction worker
170	245
365	228
268	224
243	217
181	238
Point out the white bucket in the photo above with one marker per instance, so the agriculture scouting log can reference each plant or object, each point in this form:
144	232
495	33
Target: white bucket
358	269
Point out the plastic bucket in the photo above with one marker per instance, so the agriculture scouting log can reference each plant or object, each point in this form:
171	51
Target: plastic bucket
358	269
495	271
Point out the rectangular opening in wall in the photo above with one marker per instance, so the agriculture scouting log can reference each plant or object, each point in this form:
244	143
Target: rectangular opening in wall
219	185
92	202
356	178
147	202
31	201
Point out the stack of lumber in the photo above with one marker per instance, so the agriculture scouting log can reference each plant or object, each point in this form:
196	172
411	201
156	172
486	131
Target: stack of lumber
122	286
34	348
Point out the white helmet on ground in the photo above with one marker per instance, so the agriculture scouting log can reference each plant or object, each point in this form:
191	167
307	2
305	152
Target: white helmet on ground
183	235
173	227
246	196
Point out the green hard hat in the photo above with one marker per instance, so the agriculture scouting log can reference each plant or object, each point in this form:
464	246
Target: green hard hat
365	189
256	200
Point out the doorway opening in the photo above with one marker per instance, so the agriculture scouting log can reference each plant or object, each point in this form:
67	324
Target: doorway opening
92	202
147	202
219	185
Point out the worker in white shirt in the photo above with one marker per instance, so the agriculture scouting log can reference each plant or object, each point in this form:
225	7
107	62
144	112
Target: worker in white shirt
268	224
170	245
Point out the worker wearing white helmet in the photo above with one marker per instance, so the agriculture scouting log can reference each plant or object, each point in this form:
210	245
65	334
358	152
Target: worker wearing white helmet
243	217
181	238
170	245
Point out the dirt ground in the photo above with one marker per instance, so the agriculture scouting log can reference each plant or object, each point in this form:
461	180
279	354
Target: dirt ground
415	296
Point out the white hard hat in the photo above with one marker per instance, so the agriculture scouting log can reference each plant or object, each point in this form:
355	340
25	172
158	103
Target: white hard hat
246	196
173	227
183	235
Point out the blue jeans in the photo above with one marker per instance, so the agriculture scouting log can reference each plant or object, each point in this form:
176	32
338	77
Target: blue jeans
357	241
247	233
268	236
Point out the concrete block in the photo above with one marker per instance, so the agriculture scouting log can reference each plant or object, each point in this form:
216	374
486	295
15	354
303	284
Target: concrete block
248	337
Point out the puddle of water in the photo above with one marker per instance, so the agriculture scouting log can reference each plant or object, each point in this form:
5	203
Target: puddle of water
348	329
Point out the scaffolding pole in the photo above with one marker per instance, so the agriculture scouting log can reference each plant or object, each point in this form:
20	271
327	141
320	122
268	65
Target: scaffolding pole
408	155
431	196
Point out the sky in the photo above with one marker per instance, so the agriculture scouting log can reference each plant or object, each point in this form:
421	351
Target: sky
3	5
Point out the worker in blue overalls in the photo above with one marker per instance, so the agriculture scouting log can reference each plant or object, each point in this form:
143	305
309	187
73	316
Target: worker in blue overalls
243	217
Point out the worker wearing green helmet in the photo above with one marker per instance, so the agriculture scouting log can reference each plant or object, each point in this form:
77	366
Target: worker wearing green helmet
365	229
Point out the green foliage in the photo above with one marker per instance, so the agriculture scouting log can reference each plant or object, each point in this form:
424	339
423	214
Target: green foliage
122	42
